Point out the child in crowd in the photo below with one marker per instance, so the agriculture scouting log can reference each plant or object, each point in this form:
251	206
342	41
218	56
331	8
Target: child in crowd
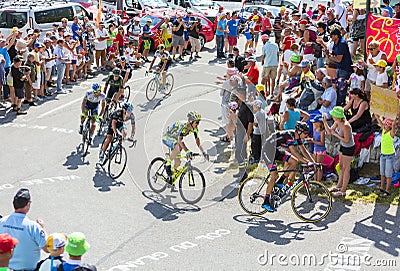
396	75
55	243
318	140
292	115
133	56
382	79
387	153
259	131
286	46
357	79
232	119
261	96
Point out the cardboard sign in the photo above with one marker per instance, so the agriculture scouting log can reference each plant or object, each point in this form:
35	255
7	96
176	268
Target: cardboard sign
384	102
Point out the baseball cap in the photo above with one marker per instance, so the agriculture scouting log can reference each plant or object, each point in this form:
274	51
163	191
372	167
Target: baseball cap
137	19
77	244
304	63
7	243
257	103
317	118
303	21
237	49
265	37
337	112
359	66
149	20
55	241
260	88
324	71
101	23
221	8
89	26
330	11
38	45
67	34
295	13
251	59
321	7
381	63
254	18
55	25
46	40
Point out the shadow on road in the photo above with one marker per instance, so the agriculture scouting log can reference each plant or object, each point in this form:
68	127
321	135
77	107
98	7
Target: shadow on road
382	228
75	159
162	207
103	182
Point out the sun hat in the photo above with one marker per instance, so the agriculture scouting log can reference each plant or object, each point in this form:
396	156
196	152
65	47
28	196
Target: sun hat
303	22
295	58
337	112
358	65
55	241
255	18
7	243
260	88
381	63
257	103
251	59
388	122
77	244
304	63
264	37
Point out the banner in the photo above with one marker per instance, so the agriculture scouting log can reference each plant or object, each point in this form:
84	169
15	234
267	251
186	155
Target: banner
387	32
384	102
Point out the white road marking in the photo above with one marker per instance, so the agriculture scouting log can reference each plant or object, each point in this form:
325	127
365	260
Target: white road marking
59	107
42	181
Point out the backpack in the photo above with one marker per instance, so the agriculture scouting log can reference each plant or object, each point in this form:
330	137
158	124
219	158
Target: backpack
82	267
312	91
39	264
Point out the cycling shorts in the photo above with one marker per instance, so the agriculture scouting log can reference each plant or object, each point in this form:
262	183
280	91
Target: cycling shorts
93	107
123	74
120	127
169	61
169	142
280	155
111	91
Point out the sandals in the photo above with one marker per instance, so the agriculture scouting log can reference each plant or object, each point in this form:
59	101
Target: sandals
335	189
383	192
339	194
225	139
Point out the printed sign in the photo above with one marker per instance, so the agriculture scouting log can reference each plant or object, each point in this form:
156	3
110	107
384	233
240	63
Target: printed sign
384	102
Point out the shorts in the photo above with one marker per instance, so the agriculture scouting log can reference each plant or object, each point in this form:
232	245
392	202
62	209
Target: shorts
36	84
73	62
195	43
146	43
48	74
368	83
169	143
320	152
177	40
248	36
269	71
186	35
232	40
111	91
347	151
100	54
169	61
93	107
120	126
19	93
256	36
386	165
42	77
135	42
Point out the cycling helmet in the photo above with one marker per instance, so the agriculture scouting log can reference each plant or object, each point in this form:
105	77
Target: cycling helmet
122	59
302	127
96	87
116	71
161	47
193	116
128	107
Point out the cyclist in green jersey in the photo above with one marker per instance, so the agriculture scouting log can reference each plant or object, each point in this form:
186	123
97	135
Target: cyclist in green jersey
116	84
173	139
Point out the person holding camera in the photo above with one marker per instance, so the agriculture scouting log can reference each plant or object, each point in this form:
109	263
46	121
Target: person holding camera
194	38
178	26
19	74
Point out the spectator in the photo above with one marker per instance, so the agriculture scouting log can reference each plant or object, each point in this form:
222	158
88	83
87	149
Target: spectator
54	31
178	26
4	48
49	63
331	19
310	12
288	51
322	17
31	73
112	33
7	245
251	77
309	39
259	131
318	140
261	96
322	36
341	129
387	153
294	73
357	79
120	38
194	38
30	234
266	25
61	58
61	32
247	34
76	247
340	14
37	47
238	59
134	31
186	19
76	29
146	39
357	30
387	7
397	10
374	55
382	78
269	61
166	28
17	84
87	44
255	29
328	98
304	9
292	115
65	26
359	116
233	27
2	79
55	244
278	27
100	46
220	36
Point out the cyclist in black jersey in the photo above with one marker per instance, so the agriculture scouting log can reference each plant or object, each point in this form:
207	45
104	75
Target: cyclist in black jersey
282	145
165	62
126	69
116	84
115	127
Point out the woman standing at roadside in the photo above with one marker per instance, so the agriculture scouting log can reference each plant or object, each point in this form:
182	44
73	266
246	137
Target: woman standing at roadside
341	129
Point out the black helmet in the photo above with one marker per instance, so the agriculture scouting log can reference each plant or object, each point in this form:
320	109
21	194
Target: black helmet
302	127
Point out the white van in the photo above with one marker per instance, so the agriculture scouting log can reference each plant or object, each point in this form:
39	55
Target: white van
39	14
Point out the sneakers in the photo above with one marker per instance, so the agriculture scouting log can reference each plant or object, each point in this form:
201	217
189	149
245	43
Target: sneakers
32	104
168	169
90	141
80	129
101	158
20	112
61	91
191	58
197	56
180	58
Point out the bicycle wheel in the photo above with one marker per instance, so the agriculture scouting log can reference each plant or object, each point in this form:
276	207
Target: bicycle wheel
169	83
85	138
156	175
251	195
117	162
311	201
127	93
193	187
151	89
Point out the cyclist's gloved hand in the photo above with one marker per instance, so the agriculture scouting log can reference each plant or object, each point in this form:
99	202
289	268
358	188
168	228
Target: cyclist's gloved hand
189	154
206	156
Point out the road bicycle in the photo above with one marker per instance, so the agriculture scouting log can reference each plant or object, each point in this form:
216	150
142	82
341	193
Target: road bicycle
127	94
310	200
110	108
192	184
116	157
86	142
155	84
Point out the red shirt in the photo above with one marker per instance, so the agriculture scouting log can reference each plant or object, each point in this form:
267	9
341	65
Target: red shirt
254	73
266	23
288	41
120	40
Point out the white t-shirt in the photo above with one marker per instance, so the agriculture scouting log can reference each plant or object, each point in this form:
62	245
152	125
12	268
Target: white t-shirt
381	79
355	81
340	11
100	45
286	56
128	55
47	54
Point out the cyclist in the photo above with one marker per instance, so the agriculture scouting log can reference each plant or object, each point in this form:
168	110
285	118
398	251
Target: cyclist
126	69
91	102
116	83
116	127
173	139
165	62
282	145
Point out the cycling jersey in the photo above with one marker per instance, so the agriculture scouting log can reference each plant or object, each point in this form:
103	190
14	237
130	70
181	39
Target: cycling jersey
115	85
92	98
117	115
170	137
126	69
163	57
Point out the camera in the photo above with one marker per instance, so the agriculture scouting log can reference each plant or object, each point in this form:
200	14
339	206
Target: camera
192	19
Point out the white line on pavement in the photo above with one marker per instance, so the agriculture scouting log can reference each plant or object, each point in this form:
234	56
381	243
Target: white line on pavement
59	107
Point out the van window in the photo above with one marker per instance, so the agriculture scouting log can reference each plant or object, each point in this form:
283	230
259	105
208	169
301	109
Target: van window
80	12
9	19
54	15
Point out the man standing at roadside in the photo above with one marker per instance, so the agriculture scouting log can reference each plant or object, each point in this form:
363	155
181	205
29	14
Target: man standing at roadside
220	35
30	234
178	26
269	61
101	46
233	26
278	27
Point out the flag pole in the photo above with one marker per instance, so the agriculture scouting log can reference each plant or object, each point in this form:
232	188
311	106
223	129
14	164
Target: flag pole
368	11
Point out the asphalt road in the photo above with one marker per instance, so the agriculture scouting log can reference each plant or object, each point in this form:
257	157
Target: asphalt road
130	227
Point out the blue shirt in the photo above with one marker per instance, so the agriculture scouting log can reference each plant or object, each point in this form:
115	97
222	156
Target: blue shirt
146	30
270	52
222	25
74	28
233	26
31	237
342	48
59	52
328	95
294	116
4	52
